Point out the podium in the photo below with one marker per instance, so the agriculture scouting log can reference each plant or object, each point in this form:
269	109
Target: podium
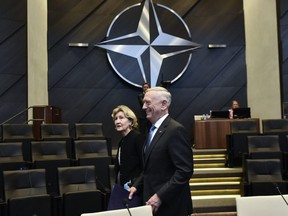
211	133
44	115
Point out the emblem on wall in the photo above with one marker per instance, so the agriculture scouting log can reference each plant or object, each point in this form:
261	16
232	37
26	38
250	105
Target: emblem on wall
148	42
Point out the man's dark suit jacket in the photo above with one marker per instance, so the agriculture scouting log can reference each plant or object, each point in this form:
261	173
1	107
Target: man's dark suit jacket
168	167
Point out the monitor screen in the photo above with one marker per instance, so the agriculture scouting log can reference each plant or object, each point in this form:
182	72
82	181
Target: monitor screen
219	114
241	113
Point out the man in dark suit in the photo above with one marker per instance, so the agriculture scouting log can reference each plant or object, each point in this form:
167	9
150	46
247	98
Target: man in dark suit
168	160
145	86
144	124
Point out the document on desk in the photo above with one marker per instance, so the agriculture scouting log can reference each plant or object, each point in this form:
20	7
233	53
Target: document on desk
119	199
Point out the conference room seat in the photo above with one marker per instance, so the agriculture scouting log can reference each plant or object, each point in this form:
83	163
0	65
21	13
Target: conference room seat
19	133
237	140
11	158
264	147
86	148
58	132
78	191
263	177
1	133
244	126
55	131
50	155
25	193
277	127
94	152
89	131
92	131
285	153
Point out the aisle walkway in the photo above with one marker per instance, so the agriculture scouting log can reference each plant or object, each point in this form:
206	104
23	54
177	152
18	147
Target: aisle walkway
214	187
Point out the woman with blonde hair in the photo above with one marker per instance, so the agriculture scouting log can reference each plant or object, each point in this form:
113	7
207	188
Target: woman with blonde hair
128	163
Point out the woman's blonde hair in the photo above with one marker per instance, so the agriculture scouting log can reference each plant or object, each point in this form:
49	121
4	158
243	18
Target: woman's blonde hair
129	114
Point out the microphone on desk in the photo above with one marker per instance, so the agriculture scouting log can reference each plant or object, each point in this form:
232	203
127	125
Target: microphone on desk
279	191
125	203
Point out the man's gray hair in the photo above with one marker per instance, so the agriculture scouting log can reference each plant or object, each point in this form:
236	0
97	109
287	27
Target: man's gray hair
163	92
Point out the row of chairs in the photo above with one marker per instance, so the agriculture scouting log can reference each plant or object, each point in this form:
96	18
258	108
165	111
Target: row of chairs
58	131
53	154
55	130
56	150
264	167
262	147
25	193
263	156
237	141
263	177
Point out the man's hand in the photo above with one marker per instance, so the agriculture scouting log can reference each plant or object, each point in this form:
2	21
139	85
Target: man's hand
132	190
155	202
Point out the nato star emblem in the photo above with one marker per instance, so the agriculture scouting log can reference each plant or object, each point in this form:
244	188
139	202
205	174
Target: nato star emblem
139	55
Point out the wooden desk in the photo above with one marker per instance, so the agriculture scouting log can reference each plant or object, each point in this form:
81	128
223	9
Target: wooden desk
262	205
212	133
